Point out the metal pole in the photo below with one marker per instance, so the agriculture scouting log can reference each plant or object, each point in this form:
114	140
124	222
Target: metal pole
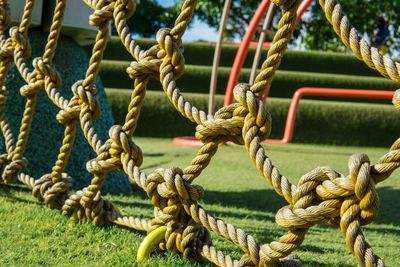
243	49
266	26
217	57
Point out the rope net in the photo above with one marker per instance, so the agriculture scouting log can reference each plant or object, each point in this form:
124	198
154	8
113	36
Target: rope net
322	196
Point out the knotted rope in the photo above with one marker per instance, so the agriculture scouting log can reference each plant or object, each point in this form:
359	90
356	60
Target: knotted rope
322	196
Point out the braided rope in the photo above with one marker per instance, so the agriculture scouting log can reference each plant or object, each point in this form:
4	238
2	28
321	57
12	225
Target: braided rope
322	196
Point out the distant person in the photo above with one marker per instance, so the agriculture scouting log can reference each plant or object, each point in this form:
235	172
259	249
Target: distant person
382	35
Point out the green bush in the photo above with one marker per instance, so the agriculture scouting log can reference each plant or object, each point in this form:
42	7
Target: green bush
196	79
323	122
306	61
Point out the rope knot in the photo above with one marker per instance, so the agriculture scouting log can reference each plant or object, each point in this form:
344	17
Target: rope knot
13	168
256	113
52	193
171	51
101	16
170	194
225	126
123	147
20	41
169	183
47	71
325	196
147	65
70	112
33	88
88	99
364	187
99	210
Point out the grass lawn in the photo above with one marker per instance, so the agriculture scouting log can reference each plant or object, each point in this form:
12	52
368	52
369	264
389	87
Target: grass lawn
32	235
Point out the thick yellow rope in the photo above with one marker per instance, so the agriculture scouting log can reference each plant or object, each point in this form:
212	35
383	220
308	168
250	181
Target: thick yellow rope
322	196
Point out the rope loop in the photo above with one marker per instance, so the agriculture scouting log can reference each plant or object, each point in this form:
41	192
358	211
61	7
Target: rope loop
170	193
257	113
20	41
53	194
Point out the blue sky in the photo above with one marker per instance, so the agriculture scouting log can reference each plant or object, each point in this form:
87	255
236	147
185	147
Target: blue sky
198	30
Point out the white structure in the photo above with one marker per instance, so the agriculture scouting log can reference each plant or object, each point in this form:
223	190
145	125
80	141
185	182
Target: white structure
76	18
17	9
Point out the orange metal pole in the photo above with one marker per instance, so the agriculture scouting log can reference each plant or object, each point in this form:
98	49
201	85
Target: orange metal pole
244	46
243	49
328	92
302	8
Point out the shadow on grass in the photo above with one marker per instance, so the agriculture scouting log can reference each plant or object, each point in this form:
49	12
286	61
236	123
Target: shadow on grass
389	206
9	191
312	151
315	262
253	200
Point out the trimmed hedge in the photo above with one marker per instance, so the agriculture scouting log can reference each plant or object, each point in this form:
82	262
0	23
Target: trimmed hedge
196	80
306	61
323	122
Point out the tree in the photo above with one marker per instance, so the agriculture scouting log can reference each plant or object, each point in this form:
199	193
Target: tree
373	19
150	16
240	15
377	20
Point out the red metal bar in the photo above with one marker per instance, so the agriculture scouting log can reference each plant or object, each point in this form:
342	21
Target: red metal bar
244	46
243	49
328	92
302	8
291	118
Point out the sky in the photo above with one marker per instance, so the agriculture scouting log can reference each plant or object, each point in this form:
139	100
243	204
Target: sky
198	29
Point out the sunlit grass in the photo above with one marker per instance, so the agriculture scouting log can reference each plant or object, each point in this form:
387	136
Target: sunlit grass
32	235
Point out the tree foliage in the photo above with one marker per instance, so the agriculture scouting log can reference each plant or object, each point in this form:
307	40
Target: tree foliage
150	16
366	15
314	32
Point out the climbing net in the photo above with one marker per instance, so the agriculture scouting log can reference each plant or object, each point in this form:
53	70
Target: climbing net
322	196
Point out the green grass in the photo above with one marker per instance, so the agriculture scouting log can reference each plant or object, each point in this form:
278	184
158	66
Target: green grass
33	235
